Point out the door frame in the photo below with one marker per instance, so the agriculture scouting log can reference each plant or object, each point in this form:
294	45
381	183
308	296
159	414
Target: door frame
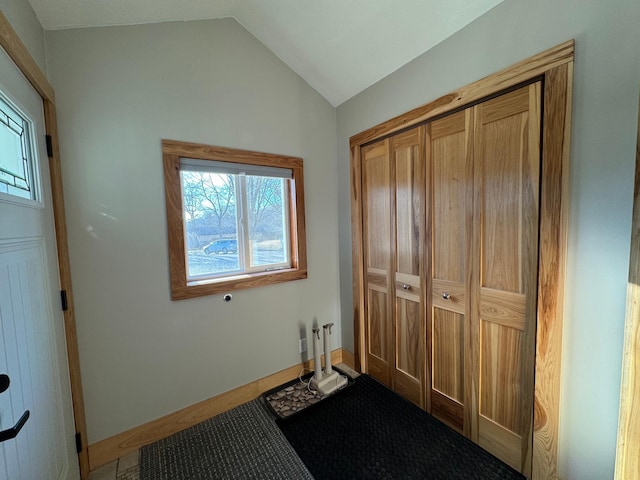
10	41
555	68
627	462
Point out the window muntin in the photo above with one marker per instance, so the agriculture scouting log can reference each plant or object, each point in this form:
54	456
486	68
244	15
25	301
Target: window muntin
244	209
16	159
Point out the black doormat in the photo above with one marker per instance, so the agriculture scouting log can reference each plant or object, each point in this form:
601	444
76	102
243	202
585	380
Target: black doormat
367	431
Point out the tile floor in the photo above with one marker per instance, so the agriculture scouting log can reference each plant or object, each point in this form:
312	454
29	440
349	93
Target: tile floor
125	468
128	467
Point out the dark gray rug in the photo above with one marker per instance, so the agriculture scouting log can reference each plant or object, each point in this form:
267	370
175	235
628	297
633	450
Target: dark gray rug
243	443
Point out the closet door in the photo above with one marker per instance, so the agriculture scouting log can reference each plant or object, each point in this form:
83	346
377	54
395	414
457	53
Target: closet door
376	218
409	325
451	190
504	282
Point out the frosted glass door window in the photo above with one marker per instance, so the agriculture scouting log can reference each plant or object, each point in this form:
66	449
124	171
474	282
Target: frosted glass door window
16	171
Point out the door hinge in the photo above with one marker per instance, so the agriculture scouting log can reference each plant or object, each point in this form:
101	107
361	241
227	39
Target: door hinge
49	146
63	298
78	442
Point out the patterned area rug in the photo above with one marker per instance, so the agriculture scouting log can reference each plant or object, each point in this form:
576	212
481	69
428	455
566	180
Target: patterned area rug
243	443
367	431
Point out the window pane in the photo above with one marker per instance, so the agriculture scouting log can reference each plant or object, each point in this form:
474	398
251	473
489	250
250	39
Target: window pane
15	158
268	222
211	224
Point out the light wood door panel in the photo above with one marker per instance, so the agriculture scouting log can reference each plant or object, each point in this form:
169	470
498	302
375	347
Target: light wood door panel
506	211
409	200
409	349
377	302
376	188
410	329
451	179
377	198
448	353
502	442
449	412
378	334
505	308
449	154
501	161
500	392
408	337
451	296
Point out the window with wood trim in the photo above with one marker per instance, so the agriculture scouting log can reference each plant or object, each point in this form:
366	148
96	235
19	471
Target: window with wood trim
235	218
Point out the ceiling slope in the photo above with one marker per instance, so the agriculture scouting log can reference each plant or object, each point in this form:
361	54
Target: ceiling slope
339	47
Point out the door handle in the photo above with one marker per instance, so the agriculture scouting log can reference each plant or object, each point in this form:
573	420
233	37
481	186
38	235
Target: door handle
10	433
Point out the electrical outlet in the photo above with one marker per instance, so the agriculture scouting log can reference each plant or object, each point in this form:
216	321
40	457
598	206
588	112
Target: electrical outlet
302	345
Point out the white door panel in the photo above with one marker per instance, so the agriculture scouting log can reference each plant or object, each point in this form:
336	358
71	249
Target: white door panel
24	318
32	342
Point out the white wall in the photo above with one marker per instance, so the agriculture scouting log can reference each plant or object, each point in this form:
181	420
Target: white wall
24	21
606	87
120	90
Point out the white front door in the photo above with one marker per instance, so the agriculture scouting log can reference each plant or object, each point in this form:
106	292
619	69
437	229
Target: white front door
32	343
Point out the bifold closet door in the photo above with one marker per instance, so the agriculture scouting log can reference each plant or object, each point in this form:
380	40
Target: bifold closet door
450	188
409	326
484	195
376	219
504	279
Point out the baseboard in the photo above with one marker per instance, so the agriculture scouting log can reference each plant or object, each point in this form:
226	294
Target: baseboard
348	358
119	445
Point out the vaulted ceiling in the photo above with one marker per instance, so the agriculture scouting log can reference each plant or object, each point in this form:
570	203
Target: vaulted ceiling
339	47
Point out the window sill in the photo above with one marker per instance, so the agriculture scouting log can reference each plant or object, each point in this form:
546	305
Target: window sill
183	290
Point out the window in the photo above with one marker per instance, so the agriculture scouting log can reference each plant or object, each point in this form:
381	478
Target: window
235	218
16	162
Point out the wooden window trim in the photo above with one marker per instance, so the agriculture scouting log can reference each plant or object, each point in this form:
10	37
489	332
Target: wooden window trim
555	67
172	151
